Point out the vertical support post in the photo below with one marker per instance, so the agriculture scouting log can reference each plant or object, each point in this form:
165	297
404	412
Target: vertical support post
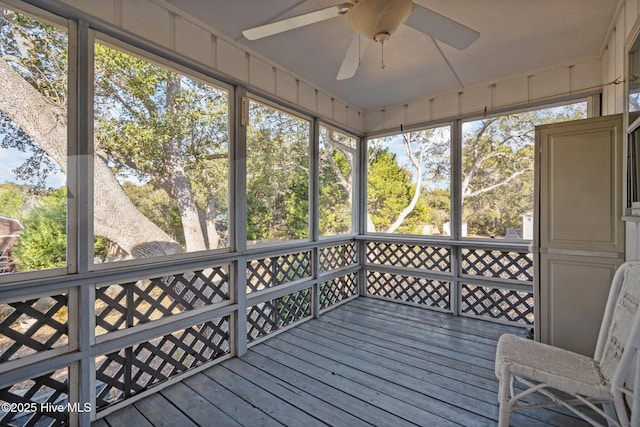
238	278
314	213
361	223
82	372
80	215
238	215
456	214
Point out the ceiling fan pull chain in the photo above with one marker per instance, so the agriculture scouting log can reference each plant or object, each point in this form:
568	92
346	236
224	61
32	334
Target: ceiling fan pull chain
382	66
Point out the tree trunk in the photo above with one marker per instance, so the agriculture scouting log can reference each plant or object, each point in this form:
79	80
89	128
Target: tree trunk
115	217
417	163
213	238
414	201
177	176
371	227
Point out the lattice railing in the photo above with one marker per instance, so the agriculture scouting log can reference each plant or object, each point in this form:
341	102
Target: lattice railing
266	273
429	292
503	304
416	273
338	289
124	305
335	257
435	258
498	264
36	401
269	316
129	371
510	300
31	326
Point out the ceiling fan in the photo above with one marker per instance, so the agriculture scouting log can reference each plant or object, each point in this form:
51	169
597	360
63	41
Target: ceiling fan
376	20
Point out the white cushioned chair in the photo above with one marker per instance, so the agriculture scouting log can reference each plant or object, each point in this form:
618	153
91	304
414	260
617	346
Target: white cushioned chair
606	383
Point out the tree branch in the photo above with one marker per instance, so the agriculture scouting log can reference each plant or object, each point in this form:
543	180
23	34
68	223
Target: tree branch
497	185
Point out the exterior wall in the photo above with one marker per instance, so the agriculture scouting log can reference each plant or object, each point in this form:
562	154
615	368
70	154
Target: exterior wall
613	57
535	87
623	28
163	24
9	226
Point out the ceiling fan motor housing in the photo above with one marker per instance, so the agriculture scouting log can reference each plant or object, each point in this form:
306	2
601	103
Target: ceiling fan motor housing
379	19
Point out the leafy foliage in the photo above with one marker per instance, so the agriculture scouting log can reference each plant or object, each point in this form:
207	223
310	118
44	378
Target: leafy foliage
43	242
167	131
497	169
336	167
38	52
389	188
277	175
400	167
14	200
155	203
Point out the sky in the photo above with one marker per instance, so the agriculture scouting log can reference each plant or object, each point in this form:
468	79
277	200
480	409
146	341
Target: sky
11	158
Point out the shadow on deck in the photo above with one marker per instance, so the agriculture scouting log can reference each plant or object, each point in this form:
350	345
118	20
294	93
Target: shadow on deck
368	362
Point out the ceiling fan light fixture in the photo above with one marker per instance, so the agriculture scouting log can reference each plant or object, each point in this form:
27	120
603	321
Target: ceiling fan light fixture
379	19
381	37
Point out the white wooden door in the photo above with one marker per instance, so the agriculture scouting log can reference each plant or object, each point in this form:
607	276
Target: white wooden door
579	239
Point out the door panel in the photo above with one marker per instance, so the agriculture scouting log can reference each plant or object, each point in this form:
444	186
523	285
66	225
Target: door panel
580	234
581	209
574	299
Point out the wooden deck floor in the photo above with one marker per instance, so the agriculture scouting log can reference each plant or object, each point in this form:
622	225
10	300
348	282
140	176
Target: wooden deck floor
368	362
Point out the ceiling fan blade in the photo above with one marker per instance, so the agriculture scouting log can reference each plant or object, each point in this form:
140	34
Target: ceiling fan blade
291	23
352	58
442	28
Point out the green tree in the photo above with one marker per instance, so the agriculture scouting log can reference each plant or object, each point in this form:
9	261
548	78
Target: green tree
43	243
438	205
336	166
13	200
390	189
403	206
33	81
498	167
155	203
169	131
277	174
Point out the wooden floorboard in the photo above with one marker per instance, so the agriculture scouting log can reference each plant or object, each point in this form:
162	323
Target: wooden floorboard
368	362
198	408
326	385
128	416
220	398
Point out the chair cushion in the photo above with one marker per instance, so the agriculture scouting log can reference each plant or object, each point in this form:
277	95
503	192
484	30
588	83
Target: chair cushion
558	368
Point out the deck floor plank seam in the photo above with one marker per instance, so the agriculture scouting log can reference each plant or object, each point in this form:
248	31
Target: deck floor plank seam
466	324
354	312
367	362
229	403
127	416
395	335
424	406
442	379
411	348
333	389
196	407
292	395
160	412
261	398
